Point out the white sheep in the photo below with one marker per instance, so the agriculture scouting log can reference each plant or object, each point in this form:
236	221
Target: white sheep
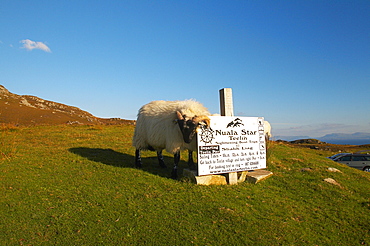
267	129
169	125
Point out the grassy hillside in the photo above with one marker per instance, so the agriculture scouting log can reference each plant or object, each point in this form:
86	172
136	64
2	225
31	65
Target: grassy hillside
65	185
30	110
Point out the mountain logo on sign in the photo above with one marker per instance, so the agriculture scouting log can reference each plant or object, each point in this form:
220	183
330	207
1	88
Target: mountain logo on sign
235	123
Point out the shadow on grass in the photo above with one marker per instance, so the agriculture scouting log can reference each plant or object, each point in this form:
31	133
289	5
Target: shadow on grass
117	159
366	205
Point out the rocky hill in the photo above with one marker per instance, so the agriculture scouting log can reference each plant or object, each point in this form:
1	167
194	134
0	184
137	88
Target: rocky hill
30	110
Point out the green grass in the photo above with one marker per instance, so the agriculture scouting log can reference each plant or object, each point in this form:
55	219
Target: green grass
63	185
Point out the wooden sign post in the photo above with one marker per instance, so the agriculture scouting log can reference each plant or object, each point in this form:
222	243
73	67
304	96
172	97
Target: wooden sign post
227	109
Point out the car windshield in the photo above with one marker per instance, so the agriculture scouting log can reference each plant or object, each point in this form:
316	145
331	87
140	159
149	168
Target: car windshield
336	155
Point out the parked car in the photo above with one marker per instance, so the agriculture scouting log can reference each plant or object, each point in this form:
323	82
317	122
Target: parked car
337	155
359	161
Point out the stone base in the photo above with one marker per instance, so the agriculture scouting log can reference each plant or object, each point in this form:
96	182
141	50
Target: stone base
258	175
242	176
206	179
228	178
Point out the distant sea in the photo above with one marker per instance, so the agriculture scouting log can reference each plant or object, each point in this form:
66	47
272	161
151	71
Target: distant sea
358	138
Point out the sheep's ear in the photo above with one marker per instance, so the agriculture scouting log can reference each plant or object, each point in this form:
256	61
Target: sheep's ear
179	116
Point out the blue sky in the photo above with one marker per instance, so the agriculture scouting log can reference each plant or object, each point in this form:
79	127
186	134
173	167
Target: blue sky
303	65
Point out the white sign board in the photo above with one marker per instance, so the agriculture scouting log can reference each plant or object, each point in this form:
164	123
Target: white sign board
231	144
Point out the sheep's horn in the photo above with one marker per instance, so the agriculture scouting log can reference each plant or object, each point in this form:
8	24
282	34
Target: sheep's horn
199	119
179	115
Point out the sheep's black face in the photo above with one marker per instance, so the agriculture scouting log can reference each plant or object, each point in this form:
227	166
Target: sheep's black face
188	126
188	129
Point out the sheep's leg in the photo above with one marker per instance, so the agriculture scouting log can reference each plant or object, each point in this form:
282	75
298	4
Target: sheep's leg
191	160
160	159
138	159
176	158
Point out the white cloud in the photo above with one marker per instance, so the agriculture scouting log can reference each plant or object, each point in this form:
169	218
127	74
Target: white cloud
30	45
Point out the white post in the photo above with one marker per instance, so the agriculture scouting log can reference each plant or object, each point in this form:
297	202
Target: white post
226	102
227	109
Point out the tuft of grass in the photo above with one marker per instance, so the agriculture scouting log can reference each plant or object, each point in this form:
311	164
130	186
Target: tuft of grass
8	142
78	185
7	127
